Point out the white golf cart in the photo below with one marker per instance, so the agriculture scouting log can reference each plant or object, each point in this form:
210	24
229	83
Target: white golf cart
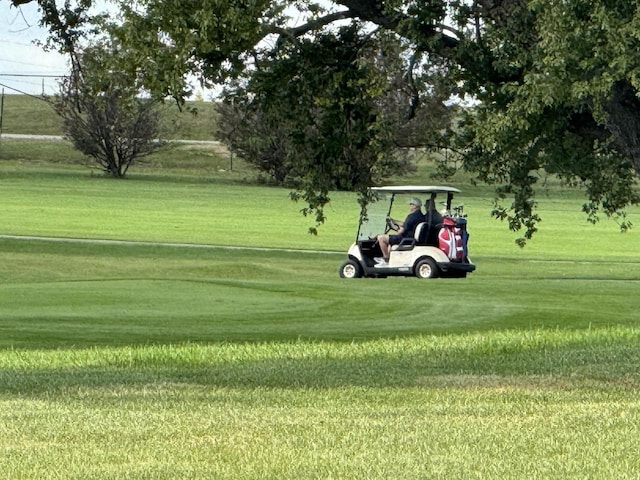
435	249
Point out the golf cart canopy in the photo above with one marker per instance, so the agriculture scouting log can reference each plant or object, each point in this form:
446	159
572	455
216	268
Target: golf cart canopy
423	192
415	189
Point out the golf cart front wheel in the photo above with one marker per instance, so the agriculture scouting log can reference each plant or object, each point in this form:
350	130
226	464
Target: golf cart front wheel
426	268
350	269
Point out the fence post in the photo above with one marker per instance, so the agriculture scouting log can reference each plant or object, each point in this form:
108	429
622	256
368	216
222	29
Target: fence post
1	113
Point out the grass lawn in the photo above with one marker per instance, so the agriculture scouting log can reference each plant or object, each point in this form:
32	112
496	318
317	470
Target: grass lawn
171	361
26	114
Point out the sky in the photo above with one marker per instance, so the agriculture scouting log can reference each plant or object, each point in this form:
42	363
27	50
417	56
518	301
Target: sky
25	67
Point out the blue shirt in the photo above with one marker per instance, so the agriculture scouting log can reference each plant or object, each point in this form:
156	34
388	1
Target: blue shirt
411	222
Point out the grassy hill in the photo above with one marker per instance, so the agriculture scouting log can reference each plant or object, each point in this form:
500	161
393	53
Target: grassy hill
26	114
30	115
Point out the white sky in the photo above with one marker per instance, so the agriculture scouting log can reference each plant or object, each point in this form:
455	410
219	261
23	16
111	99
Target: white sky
25	67
18	56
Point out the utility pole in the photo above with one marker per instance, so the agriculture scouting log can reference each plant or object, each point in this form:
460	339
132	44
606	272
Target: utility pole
1	112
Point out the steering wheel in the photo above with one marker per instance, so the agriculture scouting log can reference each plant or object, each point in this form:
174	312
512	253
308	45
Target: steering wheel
391	225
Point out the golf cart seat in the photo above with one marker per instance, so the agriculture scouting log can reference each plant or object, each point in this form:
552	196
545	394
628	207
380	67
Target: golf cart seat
419	238
420	234
424	235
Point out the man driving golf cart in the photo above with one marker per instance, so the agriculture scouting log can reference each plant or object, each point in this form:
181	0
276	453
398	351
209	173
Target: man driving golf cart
434	246
404	230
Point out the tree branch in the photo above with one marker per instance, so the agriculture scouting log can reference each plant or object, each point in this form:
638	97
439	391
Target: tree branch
320	22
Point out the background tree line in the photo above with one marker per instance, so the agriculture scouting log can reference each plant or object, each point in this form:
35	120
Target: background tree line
326	95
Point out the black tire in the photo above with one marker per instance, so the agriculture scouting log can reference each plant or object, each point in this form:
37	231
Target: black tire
458	275
426	268
350	269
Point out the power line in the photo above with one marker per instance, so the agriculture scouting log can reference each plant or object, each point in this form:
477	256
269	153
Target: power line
20	44
39	97
38	64
31	75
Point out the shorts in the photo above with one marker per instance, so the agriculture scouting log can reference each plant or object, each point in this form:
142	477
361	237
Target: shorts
395	239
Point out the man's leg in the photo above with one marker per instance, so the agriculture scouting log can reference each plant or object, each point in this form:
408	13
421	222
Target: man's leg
383	241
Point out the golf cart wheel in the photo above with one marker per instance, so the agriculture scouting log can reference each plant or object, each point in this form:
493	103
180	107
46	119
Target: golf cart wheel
426	268
458	275
350	269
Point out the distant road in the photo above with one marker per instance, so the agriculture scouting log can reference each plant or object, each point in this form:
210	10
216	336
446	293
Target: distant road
99	241
60	138
32	137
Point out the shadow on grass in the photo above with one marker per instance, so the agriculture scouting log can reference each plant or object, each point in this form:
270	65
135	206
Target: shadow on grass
589	360
607	278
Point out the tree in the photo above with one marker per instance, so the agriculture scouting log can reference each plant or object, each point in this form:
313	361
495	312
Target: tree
103	116
296	111
561	96
555	83
324	98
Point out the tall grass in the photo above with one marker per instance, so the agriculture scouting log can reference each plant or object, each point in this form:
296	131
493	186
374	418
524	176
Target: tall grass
29	115
540	403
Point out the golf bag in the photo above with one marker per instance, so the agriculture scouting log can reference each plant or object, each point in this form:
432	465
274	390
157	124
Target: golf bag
453	238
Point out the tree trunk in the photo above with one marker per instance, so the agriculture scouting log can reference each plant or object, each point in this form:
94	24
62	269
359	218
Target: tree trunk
624	121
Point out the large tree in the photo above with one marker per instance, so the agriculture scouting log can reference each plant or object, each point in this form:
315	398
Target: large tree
324	126
555	84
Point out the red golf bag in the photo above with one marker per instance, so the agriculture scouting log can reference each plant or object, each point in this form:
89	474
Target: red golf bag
452	239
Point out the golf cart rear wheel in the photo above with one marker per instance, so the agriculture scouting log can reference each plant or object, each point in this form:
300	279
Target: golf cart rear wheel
350	269
426	268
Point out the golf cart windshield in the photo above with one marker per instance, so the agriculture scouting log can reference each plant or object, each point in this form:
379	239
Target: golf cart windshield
375	220
394	202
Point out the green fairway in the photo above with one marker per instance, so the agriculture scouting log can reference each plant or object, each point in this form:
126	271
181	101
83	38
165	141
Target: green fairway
206	346
154	209
57	294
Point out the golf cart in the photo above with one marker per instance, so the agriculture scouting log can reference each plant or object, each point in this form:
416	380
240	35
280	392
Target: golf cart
436	249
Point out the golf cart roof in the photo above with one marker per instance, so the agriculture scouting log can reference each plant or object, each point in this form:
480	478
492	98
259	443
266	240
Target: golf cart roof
415	189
